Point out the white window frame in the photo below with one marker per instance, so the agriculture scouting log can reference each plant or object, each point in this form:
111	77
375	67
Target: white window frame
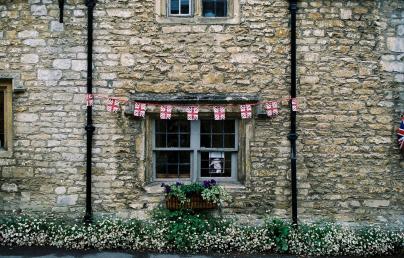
163	15
190	13
196	149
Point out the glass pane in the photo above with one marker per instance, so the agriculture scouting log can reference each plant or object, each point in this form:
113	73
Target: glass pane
161	140
172	126
2	123
161	126
172	140
184	126
184	140
184	6
205	126
229	140
217	141
216	164
229	126
205	141
214	8
174	7
217	126
173	164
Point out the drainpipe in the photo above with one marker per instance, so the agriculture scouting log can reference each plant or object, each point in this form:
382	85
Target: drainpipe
89	127
61	7
293	135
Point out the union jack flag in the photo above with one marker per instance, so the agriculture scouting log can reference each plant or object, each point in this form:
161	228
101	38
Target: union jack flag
140	109
165	111
246	111
89	100
400	134
192	112
219	112
272	108
113	105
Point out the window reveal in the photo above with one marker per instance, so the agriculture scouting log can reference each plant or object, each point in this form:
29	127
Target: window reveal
195	149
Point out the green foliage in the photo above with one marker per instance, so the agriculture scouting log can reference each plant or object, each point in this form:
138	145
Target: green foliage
185	231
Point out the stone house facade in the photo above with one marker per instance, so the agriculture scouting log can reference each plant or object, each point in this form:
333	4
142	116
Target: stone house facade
350	92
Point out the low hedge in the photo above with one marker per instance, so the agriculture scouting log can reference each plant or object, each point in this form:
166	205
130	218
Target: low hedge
182	231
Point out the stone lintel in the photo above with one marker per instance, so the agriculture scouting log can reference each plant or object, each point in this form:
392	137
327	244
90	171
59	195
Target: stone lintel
195	98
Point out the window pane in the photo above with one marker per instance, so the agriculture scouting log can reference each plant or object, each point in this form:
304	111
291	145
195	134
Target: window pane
217	141
205	126
216	164
172	140
173	164
174	7
184	140
184	6
205	141
2	123
229	126
214	8
161	140
172	133
217	126
229	140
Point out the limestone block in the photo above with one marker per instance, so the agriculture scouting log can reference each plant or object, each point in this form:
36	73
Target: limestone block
395	44
345	14
34	42
56	26
25	196
39	10
60	190
27	34
79	65
244	58
139	41
127	59
67	200
1	34
26	117
400	30
177	29
29	59
213	78
49	75
62	63
392	66
9	187
376	203
121	13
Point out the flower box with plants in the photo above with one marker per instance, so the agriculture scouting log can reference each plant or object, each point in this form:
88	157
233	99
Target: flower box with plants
196	196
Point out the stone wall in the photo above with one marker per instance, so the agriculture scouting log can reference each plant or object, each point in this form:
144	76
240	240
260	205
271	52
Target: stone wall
350	73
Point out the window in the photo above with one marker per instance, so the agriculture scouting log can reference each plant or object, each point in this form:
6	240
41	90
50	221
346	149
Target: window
180	7
195	150
214	8
5	115
198	11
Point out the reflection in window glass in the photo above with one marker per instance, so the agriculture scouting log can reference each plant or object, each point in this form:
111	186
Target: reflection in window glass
173	164
217	134
214	8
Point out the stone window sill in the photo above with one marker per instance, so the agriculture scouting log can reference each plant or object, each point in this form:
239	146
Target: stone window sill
198	20
233	187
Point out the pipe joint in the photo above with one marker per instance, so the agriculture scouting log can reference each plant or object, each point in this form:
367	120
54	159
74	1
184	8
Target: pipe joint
293	6
91	3
90	128
293	136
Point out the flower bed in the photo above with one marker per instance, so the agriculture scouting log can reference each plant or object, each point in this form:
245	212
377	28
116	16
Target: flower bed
180	231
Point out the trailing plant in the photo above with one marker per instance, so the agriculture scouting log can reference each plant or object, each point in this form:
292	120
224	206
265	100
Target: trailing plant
209	190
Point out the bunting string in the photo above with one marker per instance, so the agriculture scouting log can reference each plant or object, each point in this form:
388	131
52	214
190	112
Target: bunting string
113	104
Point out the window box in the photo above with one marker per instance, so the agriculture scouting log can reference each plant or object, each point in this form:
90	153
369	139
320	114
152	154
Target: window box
196	202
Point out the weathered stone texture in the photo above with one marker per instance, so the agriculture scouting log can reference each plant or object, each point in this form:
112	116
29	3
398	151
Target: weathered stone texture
350	84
